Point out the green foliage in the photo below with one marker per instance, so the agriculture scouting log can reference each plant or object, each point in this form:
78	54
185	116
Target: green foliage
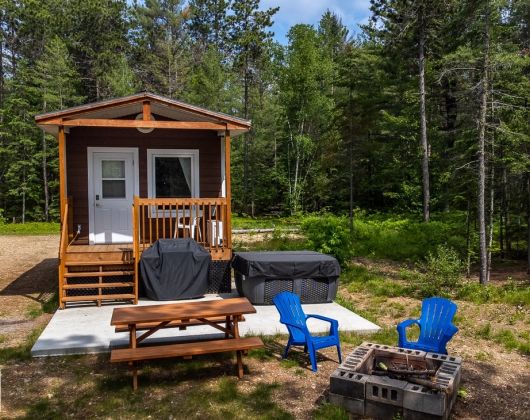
29	228
330	412
404	238
442	273
22	351
329	234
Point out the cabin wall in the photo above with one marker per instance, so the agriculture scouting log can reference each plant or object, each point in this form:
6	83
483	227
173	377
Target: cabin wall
77	141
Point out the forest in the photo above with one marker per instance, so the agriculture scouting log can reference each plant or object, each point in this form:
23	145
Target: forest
423	111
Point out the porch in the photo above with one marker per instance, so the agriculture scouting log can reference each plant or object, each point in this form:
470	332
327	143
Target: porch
110	272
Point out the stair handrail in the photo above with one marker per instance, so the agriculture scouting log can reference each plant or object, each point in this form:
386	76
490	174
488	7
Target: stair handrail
63	244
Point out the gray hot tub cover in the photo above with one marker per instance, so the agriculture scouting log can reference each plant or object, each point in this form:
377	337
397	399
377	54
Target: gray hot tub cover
286	264
174	269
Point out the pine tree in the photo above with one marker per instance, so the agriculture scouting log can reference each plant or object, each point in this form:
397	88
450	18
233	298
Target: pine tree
249	36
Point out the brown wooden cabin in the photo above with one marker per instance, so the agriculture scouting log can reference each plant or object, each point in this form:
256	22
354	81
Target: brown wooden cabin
133	170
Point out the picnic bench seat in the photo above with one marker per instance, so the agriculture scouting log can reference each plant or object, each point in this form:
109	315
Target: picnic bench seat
166	351
180	324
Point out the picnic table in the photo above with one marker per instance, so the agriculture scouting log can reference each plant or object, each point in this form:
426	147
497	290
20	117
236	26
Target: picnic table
222	314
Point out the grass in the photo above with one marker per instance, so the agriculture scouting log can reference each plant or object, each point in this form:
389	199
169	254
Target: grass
245	222
278	241
49	306
29	228
224	398
21	352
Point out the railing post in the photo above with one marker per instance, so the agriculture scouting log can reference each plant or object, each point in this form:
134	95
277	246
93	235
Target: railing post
228	205
62	170
136	245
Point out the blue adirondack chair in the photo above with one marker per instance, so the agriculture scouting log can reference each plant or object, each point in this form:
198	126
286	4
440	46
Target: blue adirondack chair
293	316
436	328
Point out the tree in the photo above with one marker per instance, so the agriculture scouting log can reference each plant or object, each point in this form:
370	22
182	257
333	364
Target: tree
160	46
208	24
249	36
306	106
55	83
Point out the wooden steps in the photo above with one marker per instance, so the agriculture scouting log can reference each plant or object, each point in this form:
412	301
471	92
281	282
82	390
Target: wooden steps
97	285
99	273
98	262
99	298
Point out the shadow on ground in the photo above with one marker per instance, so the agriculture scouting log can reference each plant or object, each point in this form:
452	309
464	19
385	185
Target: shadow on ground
37	283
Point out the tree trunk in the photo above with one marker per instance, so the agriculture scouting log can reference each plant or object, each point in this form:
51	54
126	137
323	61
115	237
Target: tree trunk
483	248
468	238
351	166
23	218
491	209
528	220
423	122
246	140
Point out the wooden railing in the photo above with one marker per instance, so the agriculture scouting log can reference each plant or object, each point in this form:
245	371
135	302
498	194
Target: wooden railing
204	219
66	232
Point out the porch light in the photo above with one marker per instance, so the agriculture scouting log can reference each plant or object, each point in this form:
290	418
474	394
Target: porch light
144	130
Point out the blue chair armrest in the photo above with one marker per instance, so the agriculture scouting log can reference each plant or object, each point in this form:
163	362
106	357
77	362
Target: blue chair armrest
449	332
401	329
334	323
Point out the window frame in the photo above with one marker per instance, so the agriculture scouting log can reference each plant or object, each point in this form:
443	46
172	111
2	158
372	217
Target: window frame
152	154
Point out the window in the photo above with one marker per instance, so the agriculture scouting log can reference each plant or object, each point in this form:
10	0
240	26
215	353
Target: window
113	179
173	173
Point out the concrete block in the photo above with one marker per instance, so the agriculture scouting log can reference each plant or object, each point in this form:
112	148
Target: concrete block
377	410
346	383
385	390
351	405
357	360
444	358
417	415
393	350
421	399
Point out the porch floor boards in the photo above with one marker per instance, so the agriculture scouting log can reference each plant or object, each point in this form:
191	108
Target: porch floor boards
99	248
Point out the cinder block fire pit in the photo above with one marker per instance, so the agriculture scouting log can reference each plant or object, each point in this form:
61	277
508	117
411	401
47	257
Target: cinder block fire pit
384	382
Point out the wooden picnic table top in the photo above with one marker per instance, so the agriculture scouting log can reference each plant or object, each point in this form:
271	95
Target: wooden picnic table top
176	311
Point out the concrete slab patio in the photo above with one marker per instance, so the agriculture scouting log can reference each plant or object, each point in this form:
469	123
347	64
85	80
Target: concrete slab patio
87	329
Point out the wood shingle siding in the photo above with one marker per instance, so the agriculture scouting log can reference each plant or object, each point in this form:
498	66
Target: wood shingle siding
77	141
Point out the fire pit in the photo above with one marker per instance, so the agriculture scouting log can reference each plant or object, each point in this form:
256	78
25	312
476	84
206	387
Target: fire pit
384	382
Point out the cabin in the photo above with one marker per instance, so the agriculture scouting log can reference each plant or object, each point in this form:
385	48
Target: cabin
133	170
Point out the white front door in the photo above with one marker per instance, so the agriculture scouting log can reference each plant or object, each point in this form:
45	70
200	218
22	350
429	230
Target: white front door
113	181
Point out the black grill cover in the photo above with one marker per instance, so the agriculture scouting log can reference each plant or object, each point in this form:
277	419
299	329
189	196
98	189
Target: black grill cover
286	264
175	269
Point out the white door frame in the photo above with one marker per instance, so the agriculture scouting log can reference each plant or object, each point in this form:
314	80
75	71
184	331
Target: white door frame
90	180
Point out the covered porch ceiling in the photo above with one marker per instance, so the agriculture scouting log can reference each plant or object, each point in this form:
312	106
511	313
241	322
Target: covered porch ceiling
113	113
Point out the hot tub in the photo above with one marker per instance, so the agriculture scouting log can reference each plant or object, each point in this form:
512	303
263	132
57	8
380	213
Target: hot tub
261	275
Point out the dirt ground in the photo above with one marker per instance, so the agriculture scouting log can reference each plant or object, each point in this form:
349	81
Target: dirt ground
28	278
495	381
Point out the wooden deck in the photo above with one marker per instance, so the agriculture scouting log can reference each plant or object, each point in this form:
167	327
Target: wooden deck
109	272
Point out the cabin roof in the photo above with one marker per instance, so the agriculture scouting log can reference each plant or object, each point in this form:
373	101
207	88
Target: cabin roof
130	105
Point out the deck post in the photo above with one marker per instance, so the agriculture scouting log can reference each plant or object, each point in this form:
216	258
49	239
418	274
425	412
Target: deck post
136	245
228	194
62	170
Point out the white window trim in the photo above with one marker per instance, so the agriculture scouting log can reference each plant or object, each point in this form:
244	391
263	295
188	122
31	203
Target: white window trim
179	153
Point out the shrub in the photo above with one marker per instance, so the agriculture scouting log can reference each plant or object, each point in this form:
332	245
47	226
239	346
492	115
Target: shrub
403	238
330	235
442	272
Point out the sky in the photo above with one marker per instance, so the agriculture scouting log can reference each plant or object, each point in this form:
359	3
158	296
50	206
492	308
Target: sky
352	13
